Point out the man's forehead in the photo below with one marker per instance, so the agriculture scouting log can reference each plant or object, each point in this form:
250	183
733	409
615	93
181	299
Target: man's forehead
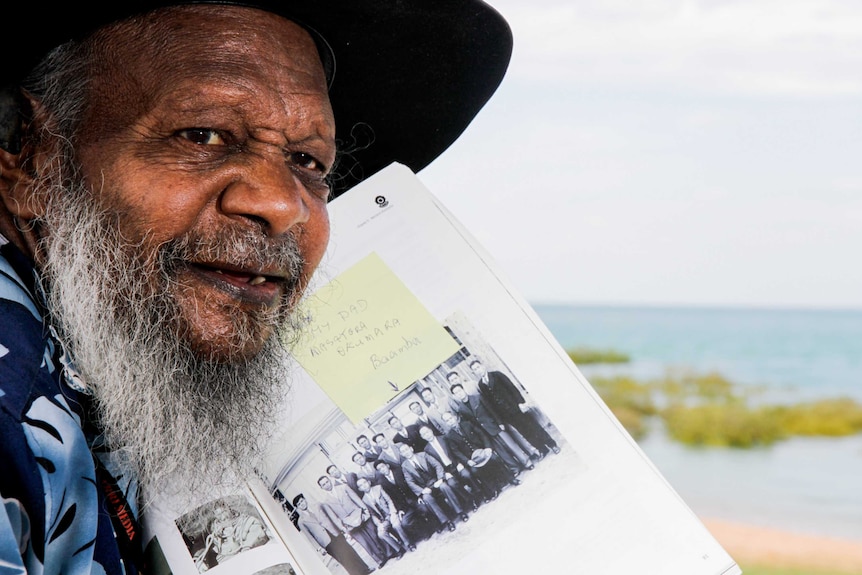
225	45
240	69
182	26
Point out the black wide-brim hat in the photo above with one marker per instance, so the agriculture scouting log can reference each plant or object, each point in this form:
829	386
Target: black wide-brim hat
407	79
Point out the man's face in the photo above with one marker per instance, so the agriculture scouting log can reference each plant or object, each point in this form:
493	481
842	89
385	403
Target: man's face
428	396
302	504
223	133
449	419
396	424
382	441
325	483
459	393
416	408
359	459
406	450
364	443
363	485
426	433
478	369
334	472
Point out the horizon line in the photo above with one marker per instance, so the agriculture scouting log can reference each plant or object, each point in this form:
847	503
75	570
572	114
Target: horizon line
699	306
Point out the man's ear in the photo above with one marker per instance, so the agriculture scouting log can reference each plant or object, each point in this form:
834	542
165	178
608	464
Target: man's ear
19	164
16	188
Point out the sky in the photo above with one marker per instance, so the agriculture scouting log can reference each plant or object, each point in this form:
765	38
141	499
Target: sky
671	152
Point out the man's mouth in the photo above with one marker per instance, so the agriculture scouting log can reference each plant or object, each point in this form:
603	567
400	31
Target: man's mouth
255	286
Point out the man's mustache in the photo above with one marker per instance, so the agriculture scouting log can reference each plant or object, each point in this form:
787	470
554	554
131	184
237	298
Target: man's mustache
238	249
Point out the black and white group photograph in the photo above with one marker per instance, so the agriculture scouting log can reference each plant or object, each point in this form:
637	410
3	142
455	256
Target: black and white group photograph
428	473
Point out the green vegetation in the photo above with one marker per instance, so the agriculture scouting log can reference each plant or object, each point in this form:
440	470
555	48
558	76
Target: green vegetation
833	417
630	401
684	385
722	425
709	410
585	355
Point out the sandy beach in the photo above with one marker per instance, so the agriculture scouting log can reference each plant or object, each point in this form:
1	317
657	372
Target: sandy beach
754	545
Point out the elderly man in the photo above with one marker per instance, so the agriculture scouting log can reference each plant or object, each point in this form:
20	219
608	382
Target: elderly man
164	174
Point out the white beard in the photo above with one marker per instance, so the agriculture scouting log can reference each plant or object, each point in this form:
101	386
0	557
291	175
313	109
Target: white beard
167	411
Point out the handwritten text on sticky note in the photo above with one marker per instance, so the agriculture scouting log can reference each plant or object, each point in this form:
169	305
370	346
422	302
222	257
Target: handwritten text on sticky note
369	338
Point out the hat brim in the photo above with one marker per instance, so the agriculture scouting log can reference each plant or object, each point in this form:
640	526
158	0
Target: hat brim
410	74
481	456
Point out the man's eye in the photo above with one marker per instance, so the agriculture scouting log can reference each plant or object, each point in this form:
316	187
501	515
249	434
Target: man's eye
202	136
306	161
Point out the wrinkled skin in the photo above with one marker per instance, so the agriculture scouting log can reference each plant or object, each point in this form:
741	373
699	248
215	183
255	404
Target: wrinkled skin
213	119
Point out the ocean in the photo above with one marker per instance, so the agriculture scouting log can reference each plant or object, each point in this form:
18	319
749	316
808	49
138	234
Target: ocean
810	485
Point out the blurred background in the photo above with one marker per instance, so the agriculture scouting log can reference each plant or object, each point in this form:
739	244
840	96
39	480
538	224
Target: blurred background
674	185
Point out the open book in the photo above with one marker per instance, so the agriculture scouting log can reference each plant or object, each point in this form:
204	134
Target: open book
435	426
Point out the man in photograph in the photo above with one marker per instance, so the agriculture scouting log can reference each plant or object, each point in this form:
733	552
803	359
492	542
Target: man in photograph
455	458
486	464
370	451
510	402
476	409
388	451
386	517
404	434
364	468
432	485
347	512
328	541
426	418
436	402
231	533
339	477
417	519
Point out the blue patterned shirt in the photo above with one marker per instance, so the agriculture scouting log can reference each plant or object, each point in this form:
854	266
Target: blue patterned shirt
66	507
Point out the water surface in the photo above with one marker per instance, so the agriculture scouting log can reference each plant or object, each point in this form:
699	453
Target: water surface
803	484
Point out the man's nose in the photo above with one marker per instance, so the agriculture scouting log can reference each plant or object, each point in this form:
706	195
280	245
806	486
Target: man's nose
266	191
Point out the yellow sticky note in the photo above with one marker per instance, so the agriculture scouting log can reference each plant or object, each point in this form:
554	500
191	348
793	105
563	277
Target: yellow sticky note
369	338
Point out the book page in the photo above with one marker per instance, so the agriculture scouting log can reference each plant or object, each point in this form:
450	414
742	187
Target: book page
418	349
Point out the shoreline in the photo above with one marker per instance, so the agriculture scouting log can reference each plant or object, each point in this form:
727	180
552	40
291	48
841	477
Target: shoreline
751	544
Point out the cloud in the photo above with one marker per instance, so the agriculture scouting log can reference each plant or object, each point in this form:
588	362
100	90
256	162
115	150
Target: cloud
770	47
671	150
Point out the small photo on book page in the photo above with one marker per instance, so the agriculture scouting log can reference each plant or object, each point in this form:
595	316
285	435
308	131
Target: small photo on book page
226	534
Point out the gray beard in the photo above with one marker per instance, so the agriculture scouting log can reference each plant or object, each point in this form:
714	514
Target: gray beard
176	419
